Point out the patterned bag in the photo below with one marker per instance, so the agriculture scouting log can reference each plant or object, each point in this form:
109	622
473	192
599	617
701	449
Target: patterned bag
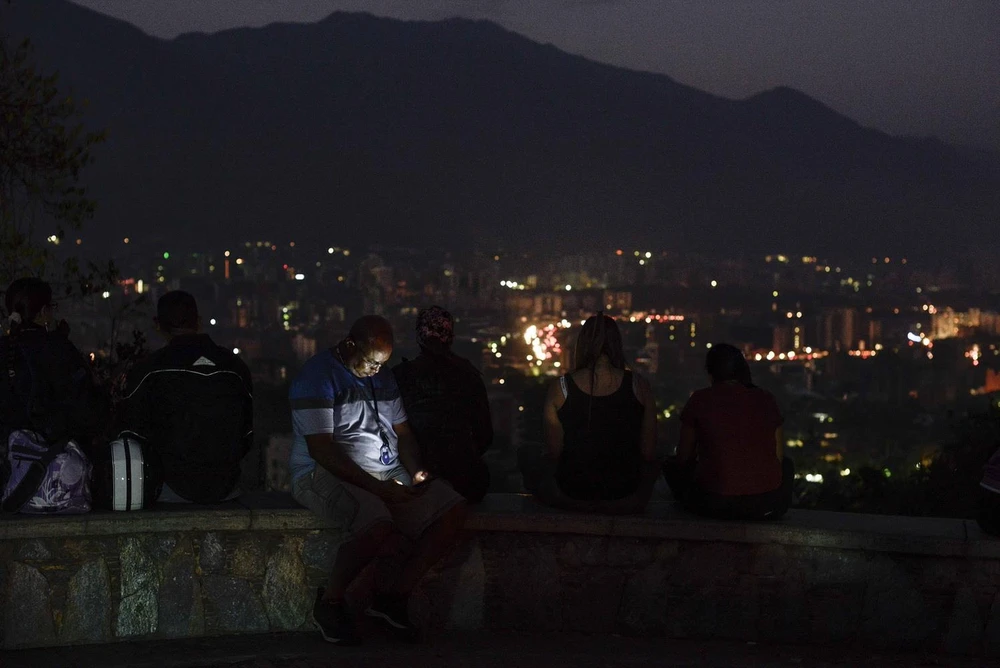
45	479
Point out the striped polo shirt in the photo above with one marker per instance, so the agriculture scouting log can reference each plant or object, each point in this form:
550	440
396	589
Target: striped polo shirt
326	398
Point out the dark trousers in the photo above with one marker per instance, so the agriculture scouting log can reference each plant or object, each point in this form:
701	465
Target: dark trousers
767	506
989	511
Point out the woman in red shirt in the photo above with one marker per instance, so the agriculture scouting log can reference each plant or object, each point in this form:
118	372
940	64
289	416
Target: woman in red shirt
729	461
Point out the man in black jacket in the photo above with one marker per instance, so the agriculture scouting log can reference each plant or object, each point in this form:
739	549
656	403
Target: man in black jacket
193	403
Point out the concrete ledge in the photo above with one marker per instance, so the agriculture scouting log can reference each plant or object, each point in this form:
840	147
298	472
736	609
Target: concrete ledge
251	566
521	513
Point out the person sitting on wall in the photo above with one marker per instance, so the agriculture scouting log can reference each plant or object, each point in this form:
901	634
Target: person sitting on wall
48	386
448	410
355	462
192	401
729	461
989	497
600	431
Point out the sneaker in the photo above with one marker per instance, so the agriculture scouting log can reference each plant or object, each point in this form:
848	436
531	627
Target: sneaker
392	609
334	621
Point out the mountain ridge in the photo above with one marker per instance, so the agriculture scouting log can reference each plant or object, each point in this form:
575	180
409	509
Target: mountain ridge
464	133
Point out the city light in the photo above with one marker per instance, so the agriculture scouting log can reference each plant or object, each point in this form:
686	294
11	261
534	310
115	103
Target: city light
212	321
300	277
105	294
236	351
845	472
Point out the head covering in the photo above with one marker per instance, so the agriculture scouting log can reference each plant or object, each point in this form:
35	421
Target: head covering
435	328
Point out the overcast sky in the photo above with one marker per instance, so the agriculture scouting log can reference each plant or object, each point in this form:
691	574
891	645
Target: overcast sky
904	66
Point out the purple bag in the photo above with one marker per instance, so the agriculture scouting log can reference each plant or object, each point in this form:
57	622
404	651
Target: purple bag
45	479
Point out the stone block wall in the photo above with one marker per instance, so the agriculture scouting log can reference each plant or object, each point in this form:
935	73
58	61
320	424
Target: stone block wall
254	567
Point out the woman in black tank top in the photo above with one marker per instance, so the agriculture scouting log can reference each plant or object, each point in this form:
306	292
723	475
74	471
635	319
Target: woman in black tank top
600	428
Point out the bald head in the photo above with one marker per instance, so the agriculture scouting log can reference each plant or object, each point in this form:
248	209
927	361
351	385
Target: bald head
368	345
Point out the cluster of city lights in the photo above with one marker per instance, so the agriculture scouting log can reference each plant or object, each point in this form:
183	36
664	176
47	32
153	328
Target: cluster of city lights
806	354
649	318
513	285
544	343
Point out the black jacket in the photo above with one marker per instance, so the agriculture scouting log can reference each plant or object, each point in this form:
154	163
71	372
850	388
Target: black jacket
47	386
193	403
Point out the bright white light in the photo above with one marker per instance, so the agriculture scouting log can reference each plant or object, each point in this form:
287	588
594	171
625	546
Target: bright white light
105	294
300	277
913	337
330	251
814	477
236	351
568	287
845	472
715	283
648	255
212	321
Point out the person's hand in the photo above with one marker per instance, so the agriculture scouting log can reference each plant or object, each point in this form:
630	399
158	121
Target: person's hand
421	476
392	492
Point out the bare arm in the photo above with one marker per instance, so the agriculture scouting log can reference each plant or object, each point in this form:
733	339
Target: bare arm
328	454
553	428
647	437
409	451
687	443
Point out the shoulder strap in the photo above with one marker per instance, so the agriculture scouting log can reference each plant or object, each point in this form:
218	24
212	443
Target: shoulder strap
562	386
32	479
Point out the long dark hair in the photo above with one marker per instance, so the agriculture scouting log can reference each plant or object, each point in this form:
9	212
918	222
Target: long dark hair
600	336
725	362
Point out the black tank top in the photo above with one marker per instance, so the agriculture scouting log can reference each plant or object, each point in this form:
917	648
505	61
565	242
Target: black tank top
600	459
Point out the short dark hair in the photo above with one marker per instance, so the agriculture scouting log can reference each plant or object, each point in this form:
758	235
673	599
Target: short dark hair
726	362
369	331
28	297
177	310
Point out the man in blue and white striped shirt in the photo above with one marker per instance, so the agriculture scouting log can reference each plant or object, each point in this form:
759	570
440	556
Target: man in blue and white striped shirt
355	462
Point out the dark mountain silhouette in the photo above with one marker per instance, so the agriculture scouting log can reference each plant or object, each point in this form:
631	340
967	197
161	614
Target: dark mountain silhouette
363	130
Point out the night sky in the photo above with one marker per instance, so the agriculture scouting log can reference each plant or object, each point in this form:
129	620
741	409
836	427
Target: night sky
924	67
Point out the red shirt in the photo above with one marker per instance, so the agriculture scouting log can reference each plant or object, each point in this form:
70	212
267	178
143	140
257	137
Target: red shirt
735	444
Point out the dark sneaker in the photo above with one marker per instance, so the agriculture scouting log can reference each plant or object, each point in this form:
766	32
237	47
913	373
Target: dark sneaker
392	610
334	621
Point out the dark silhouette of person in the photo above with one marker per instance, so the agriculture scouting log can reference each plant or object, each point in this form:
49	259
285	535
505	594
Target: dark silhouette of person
49	386
600	431
446	402
192	401
989	497
729	461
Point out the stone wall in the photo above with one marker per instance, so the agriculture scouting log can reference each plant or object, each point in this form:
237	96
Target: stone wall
252	567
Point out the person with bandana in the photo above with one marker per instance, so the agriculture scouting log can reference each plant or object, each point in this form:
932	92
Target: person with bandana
355	462
446	402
